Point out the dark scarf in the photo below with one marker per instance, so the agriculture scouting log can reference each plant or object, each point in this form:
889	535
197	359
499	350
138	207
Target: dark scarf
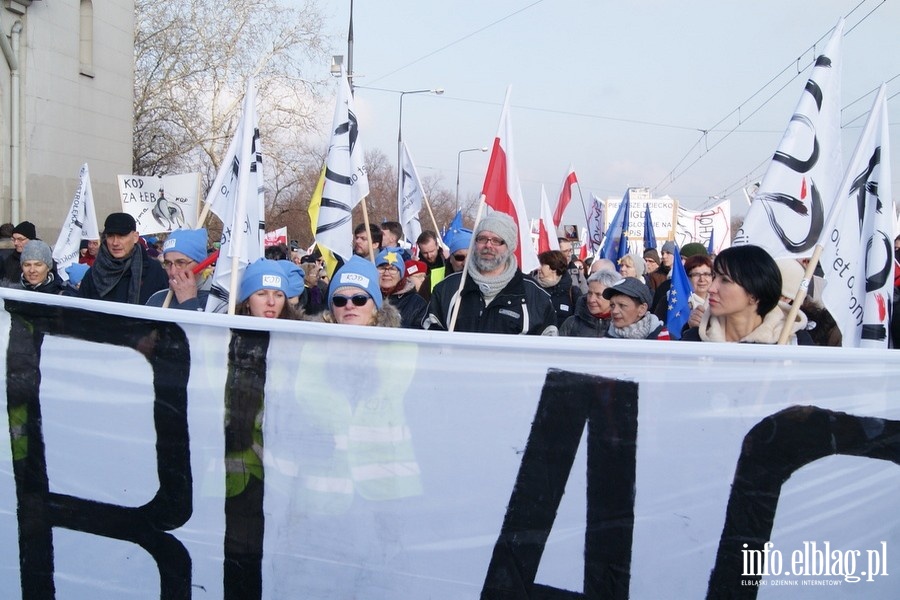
108	271
50	285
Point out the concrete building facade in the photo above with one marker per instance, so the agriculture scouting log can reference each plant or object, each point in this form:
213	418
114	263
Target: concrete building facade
66	88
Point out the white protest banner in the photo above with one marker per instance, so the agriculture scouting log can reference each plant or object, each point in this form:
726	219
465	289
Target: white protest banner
661	211
80	224
256	458
596	225
698	226
161	204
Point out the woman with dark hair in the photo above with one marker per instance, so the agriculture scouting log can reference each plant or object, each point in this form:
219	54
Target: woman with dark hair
699	269
744	301
554	277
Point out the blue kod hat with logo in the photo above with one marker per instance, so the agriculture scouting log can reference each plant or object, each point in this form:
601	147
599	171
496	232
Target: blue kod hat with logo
190	242
264	274
295	278
359	273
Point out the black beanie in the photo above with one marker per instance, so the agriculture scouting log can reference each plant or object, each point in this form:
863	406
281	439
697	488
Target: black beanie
25	229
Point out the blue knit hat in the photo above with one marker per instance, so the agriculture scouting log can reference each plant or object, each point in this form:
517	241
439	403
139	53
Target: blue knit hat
359	273
190	242
295	278
460	240
393	257
76	272
264	274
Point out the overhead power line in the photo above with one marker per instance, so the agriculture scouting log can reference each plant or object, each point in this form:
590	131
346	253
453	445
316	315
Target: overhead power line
703	141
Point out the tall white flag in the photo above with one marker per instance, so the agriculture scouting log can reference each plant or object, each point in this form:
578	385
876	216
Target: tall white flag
788	213
858	253
412	196
237	197
346	179
81	223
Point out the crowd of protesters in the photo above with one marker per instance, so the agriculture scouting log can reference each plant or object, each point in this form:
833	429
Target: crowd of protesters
466	281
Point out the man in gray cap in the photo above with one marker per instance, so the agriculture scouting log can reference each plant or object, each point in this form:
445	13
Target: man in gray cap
495	296
123	272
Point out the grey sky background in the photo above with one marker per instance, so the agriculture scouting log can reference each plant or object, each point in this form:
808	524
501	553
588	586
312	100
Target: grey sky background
621	90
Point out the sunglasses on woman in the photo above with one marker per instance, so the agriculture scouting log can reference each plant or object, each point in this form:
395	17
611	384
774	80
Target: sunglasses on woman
357	300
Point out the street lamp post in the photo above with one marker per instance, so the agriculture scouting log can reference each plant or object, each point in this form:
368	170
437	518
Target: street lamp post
458	157
436	91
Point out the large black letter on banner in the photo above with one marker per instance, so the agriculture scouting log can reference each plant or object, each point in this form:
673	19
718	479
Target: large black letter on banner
569	401
166	348
244	521
773	450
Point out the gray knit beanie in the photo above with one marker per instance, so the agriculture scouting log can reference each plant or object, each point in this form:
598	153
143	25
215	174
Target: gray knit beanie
501	224
37	250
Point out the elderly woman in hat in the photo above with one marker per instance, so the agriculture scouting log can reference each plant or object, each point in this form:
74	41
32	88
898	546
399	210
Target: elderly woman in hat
263	291
397	288
591	318
183	251
629	312
355	298
37	269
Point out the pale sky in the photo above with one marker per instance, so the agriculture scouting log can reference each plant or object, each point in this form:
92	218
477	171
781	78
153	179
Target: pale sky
620	90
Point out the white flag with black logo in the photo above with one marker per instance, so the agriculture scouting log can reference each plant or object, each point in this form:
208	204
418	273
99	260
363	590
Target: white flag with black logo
346	181
788	212
81	224
237	197
412	196
858	253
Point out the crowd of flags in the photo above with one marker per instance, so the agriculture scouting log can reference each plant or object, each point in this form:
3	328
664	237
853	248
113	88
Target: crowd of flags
803	208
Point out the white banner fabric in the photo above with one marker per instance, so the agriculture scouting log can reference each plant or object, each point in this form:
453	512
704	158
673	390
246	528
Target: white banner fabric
412	464
698	226
661	212
161	204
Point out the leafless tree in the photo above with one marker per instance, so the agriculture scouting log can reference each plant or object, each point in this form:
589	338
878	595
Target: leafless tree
193	59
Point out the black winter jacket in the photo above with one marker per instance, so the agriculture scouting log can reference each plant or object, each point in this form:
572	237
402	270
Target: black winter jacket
522	307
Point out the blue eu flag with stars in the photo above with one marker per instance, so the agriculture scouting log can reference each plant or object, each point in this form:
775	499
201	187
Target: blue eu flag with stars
679	311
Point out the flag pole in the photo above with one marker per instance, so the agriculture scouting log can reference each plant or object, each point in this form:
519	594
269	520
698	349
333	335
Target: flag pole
365	212
454	312
431	215
674	220
583	207
800	295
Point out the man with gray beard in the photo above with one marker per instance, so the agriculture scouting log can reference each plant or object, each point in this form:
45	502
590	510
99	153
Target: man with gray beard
496	297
